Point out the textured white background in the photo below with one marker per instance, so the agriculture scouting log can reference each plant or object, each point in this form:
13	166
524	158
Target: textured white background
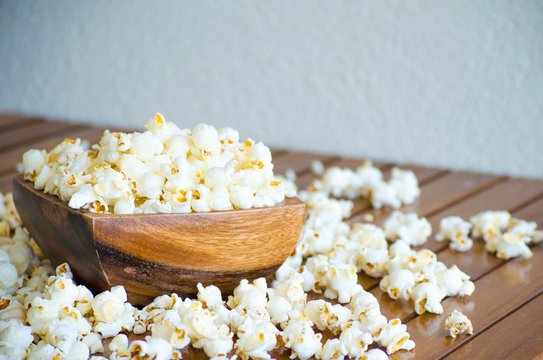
454	84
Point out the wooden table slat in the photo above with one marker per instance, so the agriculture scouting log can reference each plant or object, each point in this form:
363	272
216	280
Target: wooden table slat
32	133
518	335
14	121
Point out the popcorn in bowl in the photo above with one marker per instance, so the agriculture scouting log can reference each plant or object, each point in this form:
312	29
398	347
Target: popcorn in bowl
162	170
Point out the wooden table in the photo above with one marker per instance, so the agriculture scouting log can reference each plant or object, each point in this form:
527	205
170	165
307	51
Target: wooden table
506	308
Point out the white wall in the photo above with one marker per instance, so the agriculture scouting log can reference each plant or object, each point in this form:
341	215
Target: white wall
454	84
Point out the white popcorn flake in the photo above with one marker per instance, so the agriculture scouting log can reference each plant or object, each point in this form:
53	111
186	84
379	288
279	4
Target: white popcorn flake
317	167
15	338
458	323
427	296
249	295
408	227
398	283
356	340
299	336
333	349
151	348
327	316
456	230
374	354
395	337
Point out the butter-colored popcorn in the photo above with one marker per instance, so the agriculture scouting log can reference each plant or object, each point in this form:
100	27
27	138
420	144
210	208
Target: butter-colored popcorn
152	348
373	354
408	227
356	340
249	295
340	282
405	184
278	307
333	349
454	282
12	309
299	336
257	336
489	225
458	323
398	283
15	338
112	313
291	289
373	261
395	337
94	342
169	326
325	315
218	345
427	296
456	230
43	350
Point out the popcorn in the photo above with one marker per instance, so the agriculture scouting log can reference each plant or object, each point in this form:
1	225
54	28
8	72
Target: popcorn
395	337
374	354
367	180
427	296
398	283
15	338
327	316
301	339
456	230
458	323
112	313
256	336
340	281
356	340
249	295
408	227
152	348
164	169
333	349
489	224
506	236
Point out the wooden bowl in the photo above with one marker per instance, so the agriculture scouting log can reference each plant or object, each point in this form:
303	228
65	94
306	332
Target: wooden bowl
160	253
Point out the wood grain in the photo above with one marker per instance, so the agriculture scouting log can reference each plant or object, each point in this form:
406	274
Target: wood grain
518	335
157	253
35	131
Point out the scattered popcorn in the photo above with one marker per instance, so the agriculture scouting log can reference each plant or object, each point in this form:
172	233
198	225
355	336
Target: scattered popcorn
298	335
408	227
367	181
356	340
317	167
458	323
395	337
456	230
334	349
164	169
506	236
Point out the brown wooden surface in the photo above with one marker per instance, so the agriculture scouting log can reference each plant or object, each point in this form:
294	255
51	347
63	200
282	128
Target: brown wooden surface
506	308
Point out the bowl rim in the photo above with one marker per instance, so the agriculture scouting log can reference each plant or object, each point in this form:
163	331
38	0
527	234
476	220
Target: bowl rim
29	185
